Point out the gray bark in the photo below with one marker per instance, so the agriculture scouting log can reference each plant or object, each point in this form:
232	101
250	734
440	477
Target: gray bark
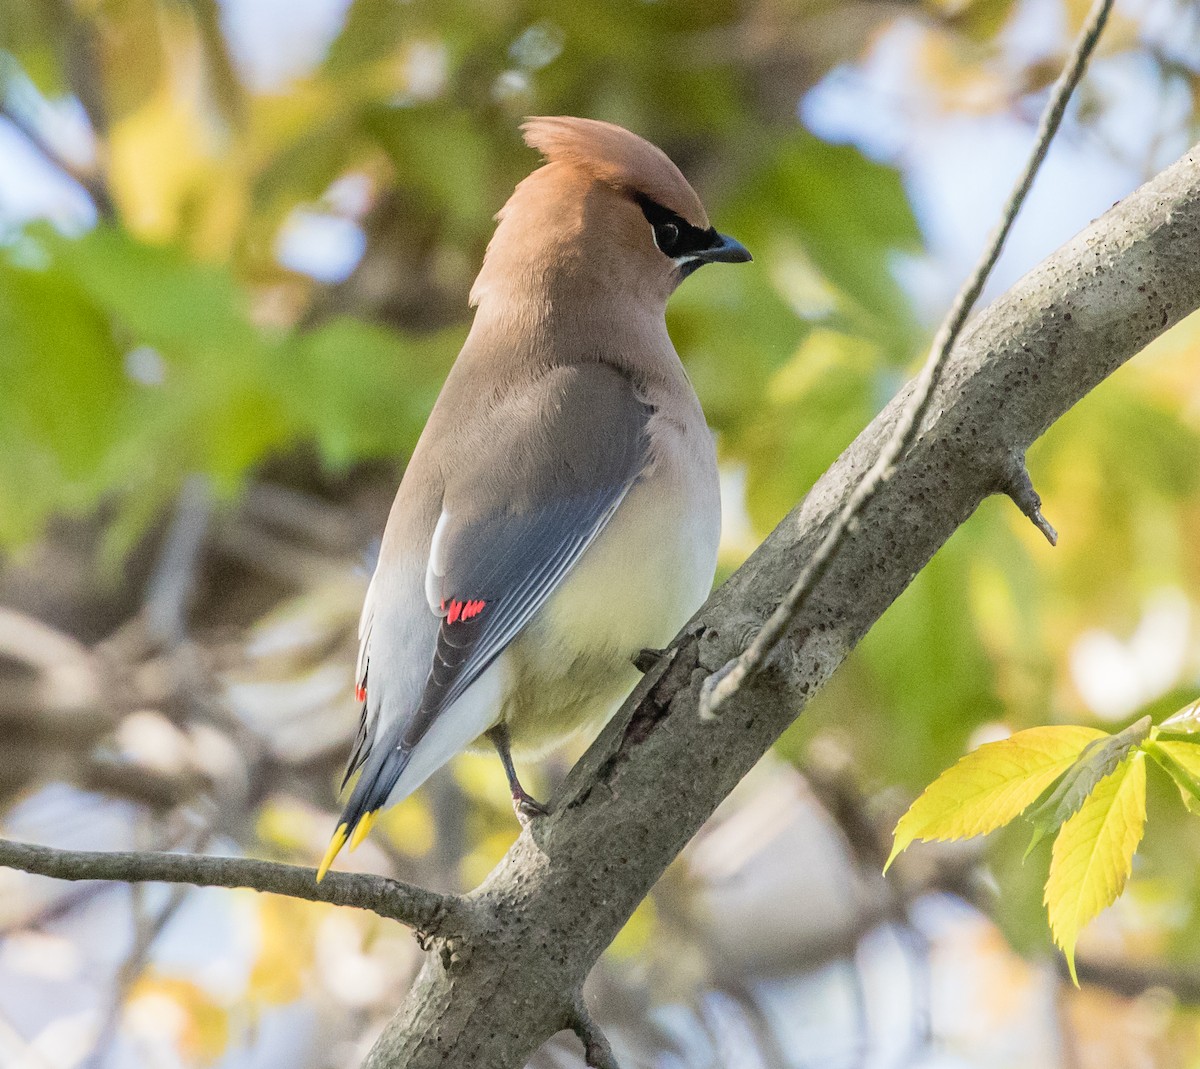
414	906
512	960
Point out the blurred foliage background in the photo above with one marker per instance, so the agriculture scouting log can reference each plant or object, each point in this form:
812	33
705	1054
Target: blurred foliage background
236	240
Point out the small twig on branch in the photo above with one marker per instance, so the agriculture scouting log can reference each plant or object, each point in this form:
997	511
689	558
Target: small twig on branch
1019	487
597	1051
423	910
725	683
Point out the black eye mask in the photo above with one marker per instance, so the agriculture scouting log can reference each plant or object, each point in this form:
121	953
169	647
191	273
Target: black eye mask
674	236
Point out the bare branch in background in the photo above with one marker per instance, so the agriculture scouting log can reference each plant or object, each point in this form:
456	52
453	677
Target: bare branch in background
65	675
174	580
91	180
1133	978
423	910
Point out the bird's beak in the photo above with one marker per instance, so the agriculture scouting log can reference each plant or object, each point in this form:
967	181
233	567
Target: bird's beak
725	250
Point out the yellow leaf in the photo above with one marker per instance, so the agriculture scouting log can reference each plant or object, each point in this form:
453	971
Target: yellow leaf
991	785
822	353
157	160
288	827
1181	760
1187	754
200	1025
285	950
410	826
482	777
171	166
1093	853
950	67
639	930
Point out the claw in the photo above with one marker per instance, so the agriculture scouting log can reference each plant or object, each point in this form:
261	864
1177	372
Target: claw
526	806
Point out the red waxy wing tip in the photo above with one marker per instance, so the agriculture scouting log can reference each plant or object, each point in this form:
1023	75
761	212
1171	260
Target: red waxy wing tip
463	610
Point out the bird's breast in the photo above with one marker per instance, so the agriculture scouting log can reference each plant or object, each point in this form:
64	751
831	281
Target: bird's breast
633	589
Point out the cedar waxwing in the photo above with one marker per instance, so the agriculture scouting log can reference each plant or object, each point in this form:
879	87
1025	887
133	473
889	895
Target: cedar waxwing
560	512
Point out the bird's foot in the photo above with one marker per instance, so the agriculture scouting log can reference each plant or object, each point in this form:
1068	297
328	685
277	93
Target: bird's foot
526	806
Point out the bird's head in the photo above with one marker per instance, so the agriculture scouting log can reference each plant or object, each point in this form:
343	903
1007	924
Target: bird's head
609	211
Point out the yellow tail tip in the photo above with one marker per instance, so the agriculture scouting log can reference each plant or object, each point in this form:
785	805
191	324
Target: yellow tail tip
363	828
335	848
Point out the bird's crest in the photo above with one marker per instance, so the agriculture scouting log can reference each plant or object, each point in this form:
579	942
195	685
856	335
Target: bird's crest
614	156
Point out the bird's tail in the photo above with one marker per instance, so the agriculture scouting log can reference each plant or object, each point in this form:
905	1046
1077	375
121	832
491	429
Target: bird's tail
369	796
392	768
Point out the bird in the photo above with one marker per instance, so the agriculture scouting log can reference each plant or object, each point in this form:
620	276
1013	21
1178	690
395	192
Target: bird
561	509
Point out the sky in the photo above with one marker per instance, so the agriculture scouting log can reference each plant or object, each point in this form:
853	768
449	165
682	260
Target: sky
959	168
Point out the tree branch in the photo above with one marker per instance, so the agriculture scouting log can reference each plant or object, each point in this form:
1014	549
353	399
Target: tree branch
426	911
751	660
597	1051
1129	979
658	770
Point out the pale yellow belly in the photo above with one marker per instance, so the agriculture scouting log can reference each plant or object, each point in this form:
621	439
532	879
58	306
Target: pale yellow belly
633	589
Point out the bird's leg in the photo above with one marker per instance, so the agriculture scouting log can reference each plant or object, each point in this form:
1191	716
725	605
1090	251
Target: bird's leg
524	804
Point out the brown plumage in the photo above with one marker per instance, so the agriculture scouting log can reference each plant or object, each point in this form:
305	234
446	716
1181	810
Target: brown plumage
561	510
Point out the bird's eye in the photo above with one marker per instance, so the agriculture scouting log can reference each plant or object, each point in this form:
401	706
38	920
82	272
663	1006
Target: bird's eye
666	237
674	236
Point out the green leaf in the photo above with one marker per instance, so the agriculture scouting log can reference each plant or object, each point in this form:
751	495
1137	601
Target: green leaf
452	180
1100	759
1093	854
360	390
851	215
992	785
62	372
1181	761
928	655
159	296
27	36
62	400
982	20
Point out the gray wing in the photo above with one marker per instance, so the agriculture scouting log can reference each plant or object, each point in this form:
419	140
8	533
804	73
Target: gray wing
572	459
552	469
